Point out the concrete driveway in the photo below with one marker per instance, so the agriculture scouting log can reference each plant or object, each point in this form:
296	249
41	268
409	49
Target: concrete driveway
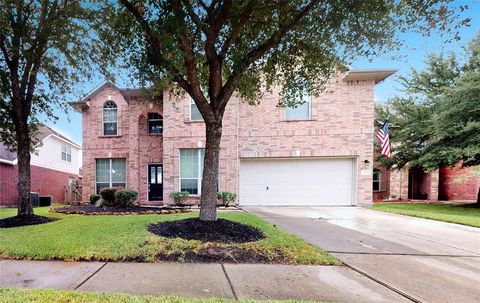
424	260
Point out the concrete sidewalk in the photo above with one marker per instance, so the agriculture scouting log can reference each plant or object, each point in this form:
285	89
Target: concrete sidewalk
235	281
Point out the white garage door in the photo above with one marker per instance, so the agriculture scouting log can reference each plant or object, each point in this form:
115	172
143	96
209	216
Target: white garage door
296	182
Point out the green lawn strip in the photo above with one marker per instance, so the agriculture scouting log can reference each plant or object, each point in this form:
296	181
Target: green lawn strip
60	296
125	238
453	213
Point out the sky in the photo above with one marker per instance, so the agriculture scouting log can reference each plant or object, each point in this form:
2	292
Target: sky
411	55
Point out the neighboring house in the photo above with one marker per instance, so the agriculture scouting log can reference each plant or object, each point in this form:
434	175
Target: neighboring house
54	166
320	153
445	184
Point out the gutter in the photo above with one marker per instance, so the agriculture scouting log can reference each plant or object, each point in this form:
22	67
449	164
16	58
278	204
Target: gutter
13	162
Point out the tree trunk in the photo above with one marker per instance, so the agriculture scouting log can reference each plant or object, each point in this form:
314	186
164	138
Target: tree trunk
208	202
478	198
23	156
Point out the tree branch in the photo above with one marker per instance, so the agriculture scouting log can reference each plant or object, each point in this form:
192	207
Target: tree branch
243	18
157	46
259	51
189	58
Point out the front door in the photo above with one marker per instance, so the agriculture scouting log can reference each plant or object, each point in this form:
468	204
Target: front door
155	182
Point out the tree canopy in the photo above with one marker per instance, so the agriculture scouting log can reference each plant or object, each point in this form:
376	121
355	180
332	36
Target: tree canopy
248	46
211	49
46	47
437	122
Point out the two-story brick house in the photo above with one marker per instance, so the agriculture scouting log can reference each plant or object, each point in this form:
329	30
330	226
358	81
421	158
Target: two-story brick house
320	153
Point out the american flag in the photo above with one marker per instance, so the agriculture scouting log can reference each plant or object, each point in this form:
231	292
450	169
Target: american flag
384	138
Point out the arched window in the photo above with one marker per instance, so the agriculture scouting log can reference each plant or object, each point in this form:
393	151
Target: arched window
377	179
109	119
155	123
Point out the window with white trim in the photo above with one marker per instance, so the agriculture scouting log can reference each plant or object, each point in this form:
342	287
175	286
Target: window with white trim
301	111
109	119
191	170
377	179
110	173
66	153
195	114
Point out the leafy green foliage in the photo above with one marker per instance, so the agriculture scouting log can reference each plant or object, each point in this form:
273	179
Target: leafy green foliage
108	195
46	48
227	198
179	196
125	238
438	122
94	198
294	45
125	197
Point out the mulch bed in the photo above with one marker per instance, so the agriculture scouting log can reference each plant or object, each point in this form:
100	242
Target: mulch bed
222	255
470	205
24	220
220	231
89	209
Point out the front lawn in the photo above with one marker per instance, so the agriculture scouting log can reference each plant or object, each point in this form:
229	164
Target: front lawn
60	296
125	238
453	213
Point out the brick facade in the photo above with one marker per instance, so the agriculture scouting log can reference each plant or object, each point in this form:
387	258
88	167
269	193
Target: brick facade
447	183
51	182
459	184
44	181
132	141
8	184
340	126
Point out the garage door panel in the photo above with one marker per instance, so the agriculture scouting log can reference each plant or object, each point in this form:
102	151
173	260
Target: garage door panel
296	182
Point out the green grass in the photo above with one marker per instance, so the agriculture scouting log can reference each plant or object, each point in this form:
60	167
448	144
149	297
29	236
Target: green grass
60	296
453	213
125	238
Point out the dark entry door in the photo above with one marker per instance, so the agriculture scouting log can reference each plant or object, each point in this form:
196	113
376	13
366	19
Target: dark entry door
155	182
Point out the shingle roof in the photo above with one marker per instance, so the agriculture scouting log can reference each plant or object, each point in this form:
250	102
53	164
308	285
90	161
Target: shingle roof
43	132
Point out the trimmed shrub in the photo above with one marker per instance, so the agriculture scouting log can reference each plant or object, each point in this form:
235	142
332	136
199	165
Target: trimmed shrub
94	198
108	195
125	197
227	198
179	196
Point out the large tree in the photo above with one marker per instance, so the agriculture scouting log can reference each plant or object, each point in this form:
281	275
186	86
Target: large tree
211	49
437	123
46	46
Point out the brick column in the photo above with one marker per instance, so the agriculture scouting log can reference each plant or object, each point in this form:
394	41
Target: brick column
434	177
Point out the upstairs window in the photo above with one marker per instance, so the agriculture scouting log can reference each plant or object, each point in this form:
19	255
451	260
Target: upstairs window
155	123
109	119
66	153
301	111
377	180
195	114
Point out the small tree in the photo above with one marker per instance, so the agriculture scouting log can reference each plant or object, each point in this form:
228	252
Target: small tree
211	49
45	48
438	123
